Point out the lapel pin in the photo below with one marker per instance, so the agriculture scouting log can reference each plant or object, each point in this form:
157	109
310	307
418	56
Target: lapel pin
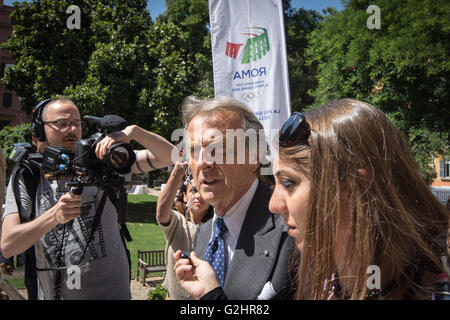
266	253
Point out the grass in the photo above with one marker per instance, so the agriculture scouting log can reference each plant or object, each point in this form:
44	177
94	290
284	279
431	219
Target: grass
18	283
143	227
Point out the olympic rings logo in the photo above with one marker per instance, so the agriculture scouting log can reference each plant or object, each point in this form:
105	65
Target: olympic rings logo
250	96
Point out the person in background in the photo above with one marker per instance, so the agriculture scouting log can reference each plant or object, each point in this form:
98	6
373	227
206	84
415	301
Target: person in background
180	205
179	227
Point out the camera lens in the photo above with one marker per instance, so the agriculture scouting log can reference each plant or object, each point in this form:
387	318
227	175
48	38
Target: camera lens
120	157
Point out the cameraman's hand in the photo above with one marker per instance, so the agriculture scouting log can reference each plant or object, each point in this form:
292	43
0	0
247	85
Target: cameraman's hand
113	138
67	208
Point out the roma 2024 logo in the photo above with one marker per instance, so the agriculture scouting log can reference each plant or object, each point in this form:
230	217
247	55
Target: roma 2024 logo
257	46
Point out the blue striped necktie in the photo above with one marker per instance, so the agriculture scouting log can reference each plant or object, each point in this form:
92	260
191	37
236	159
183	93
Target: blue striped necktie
215	253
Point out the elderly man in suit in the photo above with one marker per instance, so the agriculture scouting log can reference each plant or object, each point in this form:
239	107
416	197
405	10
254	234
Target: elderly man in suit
252	243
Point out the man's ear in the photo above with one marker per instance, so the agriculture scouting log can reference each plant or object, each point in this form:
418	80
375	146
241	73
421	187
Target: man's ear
40	145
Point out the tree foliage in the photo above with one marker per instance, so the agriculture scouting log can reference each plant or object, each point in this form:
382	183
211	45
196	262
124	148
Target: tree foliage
402	68
119	62
192	17
11	135
47	54
299	23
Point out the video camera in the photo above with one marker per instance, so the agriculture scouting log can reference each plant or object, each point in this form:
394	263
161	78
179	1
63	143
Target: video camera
82	166
118	159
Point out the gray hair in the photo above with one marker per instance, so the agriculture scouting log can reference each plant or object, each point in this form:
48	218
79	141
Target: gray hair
193	106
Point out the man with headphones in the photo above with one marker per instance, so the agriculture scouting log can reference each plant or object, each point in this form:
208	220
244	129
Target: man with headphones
71	262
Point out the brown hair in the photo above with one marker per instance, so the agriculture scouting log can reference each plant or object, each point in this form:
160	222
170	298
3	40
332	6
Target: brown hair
180	206
395	221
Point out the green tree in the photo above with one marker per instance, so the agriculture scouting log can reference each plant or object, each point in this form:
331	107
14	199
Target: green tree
119	62
143	80
192	16
299	23
402	68
48	56
12	135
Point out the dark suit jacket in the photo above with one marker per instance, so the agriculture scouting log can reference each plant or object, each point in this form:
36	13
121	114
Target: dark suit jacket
250	268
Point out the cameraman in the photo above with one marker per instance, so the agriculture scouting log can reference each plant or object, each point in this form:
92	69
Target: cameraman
59	223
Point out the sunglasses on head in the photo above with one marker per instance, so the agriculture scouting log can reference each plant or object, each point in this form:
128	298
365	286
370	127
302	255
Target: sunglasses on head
294	129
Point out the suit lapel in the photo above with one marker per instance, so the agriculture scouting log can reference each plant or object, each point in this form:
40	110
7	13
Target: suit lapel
256	249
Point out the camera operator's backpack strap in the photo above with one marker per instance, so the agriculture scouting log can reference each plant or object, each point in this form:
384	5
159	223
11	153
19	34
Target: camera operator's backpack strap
121	207
31	181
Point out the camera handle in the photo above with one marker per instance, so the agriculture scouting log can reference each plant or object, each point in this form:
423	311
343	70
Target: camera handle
77	190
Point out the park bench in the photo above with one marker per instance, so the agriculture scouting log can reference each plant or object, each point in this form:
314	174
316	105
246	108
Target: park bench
149	262
11	292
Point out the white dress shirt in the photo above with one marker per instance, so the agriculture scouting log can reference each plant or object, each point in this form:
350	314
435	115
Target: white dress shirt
234	218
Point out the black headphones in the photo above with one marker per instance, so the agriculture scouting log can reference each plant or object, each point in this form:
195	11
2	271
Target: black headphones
37	128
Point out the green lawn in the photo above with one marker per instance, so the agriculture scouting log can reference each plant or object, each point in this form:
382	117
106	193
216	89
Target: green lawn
17	283
143	228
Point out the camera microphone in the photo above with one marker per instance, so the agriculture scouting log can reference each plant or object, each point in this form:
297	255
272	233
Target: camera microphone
113	123
110	123
93	120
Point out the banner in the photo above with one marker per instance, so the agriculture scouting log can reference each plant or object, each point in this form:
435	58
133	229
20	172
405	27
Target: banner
249	57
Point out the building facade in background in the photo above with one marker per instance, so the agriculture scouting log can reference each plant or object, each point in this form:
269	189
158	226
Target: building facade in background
442	167
10	109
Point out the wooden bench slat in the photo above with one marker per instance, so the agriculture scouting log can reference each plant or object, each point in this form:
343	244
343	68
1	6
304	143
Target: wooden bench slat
150	261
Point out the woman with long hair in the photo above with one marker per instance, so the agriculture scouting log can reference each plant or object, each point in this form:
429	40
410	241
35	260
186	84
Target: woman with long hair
179	227
350	193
